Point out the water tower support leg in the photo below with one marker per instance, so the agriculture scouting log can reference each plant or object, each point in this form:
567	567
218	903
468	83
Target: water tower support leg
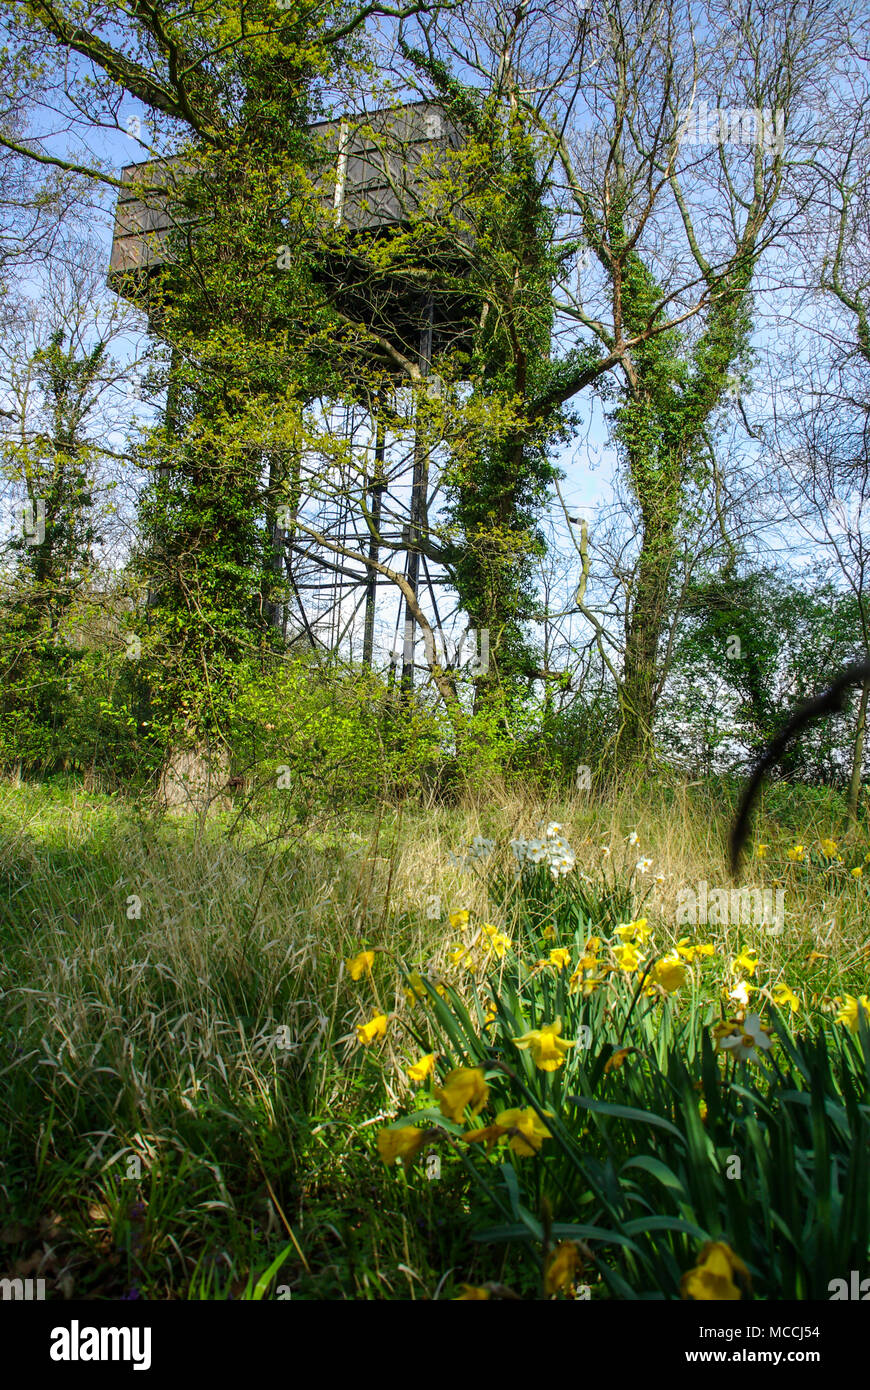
376	488
419	486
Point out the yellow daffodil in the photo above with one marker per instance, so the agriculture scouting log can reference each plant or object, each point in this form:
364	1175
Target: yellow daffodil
616	1060
491	1015
461	955
549	932
828	848
713	1275
849	1011
593	944
784	997
857	871
471	1293
636	932
416	989
761	851
357	965
746	963
423	1068
559	958
496	941
589	960
459	919
526	1128
404	1144
462	1087
627	957
689	951
546	1046
582	980
669	972
795	854
375	1028
725	1028
562	1267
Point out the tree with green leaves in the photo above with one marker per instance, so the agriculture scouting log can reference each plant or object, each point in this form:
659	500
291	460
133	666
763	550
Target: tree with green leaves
229	93
675	231
59	380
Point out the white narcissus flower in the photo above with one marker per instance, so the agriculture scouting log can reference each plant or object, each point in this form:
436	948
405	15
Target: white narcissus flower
740	993
745	1043
561	867
481	848
553	829
634	838
643	866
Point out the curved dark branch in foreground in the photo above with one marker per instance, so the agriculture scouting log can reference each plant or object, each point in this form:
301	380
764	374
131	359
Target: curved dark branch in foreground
831	701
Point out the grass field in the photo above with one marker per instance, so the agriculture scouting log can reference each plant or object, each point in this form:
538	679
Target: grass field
187	1111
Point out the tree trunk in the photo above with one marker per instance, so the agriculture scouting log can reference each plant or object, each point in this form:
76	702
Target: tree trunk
637	694
858	752
194	780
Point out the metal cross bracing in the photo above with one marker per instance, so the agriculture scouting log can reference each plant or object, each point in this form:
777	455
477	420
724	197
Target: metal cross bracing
336	601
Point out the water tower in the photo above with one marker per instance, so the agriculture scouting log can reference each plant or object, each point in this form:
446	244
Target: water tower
371	173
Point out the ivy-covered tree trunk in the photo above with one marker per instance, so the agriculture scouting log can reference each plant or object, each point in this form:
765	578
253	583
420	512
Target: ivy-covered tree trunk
650	608
498	489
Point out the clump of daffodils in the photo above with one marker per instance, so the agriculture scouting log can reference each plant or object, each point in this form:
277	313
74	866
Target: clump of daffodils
553	850
487	943
461	1096
589	972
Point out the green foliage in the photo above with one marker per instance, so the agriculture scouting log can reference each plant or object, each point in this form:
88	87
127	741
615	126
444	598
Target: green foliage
341	735
574	735
759	644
